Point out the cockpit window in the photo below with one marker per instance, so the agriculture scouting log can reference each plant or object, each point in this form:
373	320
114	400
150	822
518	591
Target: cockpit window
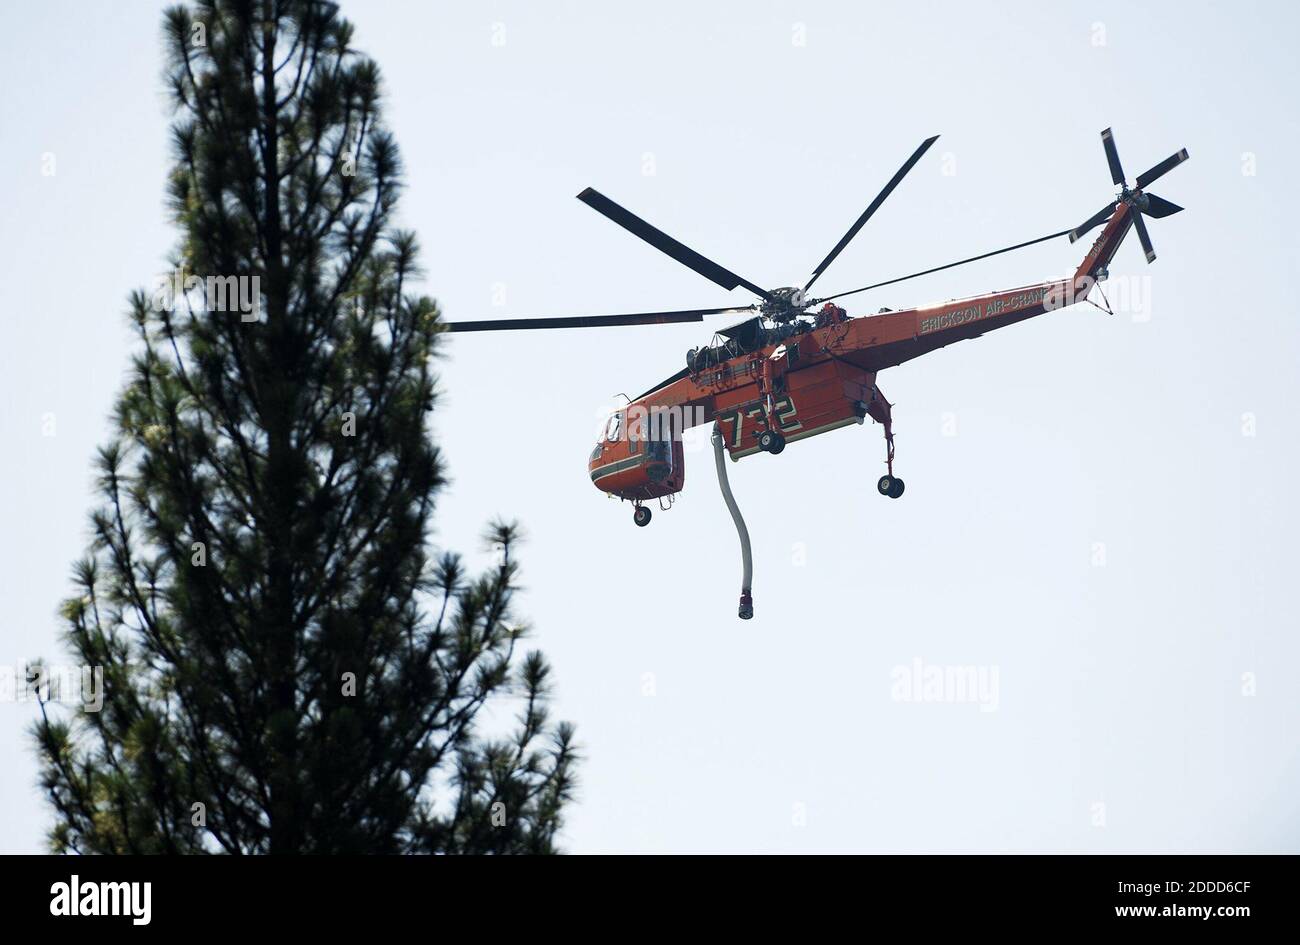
613	427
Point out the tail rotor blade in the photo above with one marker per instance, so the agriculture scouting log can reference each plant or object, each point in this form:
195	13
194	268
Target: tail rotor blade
666	244
1144	238
1161	169
875	205
1160	207
1101	216
1112	158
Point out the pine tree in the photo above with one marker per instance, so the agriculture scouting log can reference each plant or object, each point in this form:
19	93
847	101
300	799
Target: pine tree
287	666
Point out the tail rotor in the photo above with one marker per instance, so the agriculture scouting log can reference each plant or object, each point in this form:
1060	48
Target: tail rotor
1143	204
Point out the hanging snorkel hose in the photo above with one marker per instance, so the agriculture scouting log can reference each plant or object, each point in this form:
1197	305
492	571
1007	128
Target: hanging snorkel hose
747	563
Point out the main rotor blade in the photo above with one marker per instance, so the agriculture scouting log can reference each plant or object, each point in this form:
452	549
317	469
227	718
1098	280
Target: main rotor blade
1160	207
1099	217
960	262
875	205
1112	158
1161	169
1144	237
666	244
592	321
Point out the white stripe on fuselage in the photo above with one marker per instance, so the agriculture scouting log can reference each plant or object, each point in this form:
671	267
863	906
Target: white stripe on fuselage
801	435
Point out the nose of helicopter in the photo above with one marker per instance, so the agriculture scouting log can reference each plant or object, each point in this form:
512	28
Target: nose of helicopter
596	460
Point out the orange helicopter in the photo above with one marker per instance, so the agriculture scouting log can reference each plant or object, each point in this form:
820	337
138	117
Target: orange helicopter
799	366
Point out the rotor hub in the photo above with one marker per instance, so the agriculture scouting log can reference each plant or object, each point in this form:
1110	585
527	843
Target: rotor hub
786	304
1134	198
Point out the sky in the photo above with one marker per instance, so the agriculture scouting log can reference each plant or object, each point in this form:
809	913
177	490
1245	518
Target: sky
1099	522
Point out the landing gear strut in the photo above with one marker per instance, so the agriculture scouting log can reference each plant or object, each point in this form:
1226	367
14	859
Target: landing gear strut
641	515
879	409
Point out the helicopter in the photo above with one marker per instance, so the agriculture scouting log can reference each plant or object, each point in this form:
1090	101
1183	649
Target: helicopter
799	366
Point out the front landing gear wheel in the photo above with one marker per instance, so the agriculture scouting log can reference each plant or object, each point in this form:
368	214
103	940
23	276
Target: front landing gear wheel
771	442
641	516
891	486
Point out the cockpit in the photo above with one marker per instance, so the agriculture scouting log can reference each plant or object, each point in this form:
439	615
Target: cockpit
639	454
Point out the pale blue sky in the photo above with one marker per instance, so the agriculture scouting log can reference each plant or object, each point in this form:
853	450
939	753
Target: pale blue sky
1118	685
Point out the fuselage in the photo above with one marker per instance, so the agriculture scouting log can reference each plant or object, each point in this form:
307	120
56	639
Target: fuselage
813	377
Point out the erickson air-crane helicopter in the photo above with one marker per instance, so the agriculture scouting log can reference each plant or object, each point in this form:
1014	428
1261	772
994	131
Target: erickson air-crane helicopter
800	366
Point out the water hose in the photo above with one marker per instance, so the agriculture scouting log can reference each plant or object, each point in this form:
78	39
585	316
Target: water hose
720	459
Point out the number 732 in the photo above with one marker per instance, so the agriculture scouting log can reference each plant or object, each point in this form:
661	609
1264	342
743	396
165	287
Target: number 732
784	409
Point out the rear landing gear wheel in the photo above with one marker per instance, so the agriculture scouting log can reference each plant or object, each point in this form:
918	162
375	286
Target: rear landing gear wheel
641	515
891	486
771	442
